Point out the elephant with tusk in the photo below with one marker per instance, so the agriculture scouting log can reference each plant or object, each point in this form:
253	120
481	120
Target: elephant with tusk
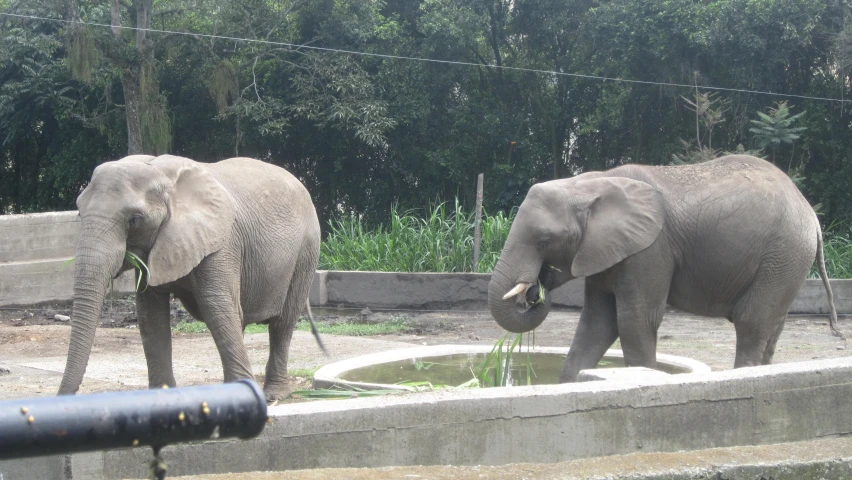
236	241
732	237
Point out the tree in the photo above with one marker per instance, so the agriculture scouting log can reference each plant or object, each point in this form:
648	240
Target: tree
775	129
129	54
709	111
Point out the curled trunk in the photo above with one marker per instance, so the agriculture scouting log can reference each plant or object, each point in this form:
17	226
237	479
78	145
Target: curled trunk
98	260
507	312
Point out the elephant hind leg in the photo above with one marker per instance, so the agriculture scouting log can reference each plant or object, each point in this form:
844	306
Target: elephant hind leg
758	331
277	383
773	340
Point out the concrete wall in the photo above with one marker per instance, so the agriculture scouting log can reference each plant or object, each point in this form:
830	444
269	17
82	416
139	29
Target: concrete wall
540	424
34	254
34	250
469	291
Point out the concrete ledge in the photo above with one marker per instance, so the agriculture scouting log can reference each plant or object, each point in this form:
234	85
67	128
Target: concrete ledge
32	283
540	424
469	291
425	291
827	459
812	297
38	236
318	294
433	291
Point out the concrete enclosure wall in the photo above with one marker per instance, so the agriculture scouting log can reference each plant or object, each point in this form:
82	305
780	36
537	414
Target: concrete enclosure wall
35	248
34	254
496	426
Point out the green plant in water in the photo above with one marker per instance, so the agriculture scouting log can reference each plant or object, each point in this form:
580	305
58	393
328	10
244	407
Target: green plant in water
495	370
421	365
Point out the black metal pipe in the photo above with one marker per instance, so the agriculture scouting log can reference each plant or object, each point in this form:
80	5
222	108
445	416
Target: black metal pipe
64	424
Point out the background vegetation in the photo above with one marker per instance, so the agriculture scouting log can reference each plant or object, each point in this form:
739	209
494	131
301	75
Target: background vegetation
442	241
366	132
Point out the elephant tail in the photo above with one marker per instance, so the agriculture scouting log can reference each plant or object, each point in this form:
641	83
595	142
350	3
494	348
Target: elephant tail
820	259
319	340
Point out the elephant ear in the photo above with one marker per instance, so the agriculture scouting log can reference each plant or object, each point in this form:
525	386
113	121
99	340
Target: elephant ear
201	215
624	217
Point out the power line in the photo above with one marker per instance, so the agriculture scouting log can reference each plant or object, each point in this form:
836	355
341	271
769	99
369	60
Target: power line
430	60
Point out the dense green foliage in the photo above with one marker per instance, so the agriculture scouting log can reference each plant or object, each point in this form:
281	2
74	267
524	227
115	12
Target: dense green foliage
838	253
443	242
365	132
440	242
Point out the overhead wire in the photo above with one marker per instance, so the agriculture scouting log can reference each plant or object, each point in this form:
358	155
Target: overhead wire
296	47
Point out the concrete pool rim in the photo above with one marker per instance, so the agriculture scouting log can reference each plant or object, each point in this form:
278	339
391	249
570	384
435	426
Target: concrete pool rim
328	376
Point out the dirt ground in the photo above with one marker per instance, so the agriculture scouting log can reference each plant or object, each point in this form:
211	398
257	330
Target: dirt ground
33	344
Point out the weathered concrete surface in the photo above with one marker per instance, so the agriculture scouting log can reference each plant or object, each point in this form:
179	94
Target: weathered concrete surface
826	459
541	424
429	291
38	236
318	295
469	291
812	299
425	291
34	254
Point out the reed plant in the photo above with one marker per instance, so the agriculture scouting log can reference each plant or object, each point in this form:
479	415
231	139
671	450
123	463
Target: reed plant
440	241
496	369
838	252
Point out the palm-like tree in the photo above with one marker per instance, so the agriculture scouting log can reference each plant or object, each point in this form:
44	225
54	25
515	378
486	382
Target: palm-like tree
775	129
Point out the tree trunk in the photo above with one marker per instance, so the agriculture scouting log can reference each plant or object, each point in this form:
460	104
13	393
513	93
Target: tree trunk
130	83
131	80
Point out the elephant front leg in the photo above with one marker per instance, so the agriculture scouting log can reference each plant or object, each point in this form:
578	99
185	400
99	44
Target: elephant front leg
218	303
638	323
153	310
596	332
225	324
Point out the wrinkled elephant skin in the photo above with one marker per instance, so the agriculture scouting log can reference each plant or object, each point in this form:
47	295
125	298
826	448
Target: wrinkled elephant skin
732	237
236	241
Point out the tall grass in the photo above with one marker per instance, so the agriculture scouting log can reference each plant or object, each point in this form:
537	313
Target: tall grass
443	242
496	369
838	252
440	242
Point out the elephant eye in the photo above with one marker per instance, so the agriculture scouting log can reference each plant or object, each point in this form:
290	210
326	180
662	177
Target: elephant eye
542	245
135	220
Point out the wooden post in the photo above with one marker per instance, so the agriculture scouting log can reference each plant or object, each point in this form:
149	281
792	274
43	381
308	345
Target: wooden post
477	221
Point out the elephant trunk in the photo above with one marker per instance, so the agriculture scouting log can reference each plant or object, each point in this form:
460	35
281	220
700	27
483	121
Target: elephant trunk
506	310
99	258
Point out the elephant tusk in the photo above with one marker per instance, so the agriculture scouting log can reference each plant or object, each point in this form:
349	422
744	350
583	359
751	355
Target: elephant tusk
519	288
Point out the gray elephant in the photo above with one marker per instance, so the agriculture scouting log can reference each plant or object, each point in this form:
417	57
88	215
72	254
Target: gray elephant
236	241
732	237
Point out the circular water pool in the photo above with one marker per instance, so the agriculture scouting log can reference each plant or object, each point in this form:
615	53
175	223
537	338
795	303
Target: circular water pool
453	365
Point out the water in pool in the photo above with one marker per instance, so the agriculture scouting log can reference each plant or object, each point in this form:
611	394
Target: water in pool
457	369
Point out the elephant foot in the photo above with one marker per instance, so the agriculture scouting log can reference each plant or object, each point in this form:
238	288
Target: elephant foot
277	393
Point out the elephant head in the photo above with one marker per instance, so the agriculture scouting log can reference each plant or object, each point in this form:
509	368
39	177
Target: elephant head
168	210
566	229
